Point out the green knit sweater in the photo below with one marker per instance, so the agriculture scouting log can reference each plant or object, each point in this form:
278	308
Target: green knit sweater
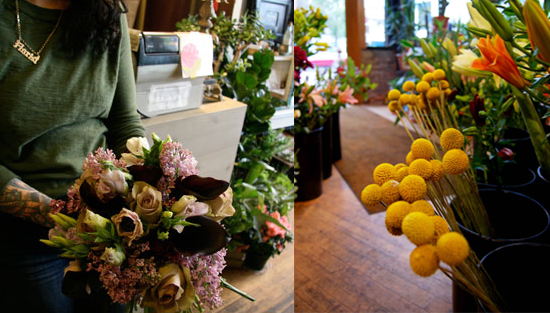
54	113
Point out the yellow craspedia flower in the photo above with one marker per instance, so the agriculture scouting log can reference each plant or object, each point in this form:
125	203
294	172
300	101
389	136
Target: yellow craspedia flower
383	173
396	212
393	106
405	99
394	94
419	228
439	74
451	138
452	248
438	171
422	149
390	192
422	168
402	173
394	231
422	87
422	105
444	85
399	166
440	225
371	195
424	260
408	86
455	162
428	77
433	93
412	188
410	158
423	206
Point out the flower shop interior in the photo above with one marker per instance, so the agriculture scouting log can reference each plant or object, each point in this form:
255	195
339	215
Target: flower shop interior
421	139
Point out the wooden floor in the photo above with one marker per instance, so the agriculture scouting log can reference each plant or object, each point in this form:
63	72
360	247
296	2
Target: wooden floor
346	261
273	287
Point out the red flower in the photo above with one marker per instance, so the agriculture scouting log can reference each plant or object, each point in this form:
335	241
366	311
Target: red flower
477	105
506	154
300	62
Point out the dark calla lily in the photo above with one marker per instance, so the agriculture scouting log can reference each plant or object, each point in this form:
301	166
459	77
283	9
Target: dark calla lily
107	209
146	173
207	239
476	105
204	188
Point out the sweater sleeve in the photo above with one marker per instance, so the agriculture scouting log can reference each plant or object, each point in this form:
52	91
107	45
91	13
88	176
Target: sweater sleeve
124	121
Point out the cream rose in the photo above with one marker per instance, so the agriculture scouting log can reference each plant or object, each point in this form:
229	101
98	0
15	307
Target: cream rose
148	202
173	293
110	184
128	225
135	146
113	256
188	206
221	206
89	221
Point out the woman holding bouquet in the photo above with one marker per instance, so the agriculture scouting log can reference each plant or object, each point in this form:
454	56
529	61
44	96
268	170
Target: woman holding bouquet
66	89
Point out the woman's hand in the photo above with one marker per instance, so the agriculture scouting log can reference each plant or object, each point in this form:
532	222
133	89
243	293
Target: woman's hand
23	201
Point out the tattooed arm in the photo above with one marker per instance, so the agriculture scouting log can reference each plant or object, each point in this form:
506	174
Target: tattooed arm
23	201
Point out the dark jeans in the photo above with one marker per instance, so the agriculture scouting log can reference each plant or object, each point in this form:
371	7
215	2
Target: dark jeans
33	284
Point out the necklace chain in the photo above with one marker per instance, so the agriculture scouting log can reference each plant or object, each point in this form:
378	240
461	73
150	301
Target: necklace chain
22	46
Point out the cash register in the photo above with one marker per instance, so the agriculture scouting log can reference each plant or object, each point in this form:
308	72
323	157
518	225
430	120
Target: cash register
162	83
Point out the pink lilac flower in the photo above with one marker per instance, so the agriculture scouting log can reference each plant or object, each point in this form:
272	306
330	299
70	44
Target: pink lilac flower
174	160
205	275
126	283
57	206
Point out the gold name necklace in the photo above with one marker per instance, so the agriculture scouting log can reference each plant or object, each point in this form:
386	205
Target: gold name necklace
23	47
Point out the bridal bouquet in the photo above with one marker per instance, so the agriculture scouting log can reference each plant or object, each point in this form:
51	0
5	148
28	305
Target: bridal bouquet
146	229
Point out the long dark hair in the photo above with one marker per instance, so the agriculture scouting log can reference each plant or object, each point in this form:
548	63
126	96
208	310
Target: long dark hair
92	24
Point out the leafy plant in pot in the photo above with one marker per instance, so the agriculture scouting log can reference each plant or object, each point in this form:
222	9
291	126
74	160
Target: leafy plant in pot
493	157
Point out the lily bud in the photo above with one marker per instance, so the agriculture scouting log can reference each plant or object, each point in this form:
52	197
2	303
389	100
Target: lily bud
538	28
426	48
495	18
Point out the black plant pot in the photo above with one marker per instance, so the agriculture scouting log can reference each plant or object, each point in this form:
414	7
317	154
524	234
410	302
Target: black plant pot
309	148
515	177
520	273
514	217
255	260
523	147
327	148
336	143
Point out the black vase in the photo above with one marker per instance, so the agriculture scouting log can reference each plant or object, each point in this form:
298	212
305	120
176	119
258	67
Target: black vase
309	148
515	177
327	147
255	260
523	147
514	217
336	143
520	273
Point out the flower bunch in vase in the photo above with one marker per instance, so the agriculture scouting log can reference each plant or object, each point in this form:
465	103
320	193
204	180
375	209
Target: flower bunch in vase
144	229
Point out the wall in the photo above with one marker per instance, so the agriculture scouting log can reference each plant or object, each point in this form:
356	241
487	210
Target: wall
384	69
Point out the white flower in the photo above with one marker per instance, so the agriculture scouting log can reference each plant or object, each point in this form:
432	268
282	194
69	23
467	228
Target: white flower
113	256
464	60
135	145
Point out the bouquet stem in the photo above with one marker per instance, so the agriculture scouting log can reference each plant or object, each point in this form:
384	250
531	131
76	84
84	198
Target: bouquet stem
227	285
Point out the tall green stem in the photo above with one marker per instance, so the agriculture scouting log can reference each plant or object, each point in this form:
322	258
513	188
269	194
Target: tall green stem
536	131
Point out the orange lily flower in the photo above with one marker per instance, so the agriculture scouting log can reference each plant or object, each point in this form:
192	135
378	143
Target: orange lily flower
496	59
313	97
347	97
